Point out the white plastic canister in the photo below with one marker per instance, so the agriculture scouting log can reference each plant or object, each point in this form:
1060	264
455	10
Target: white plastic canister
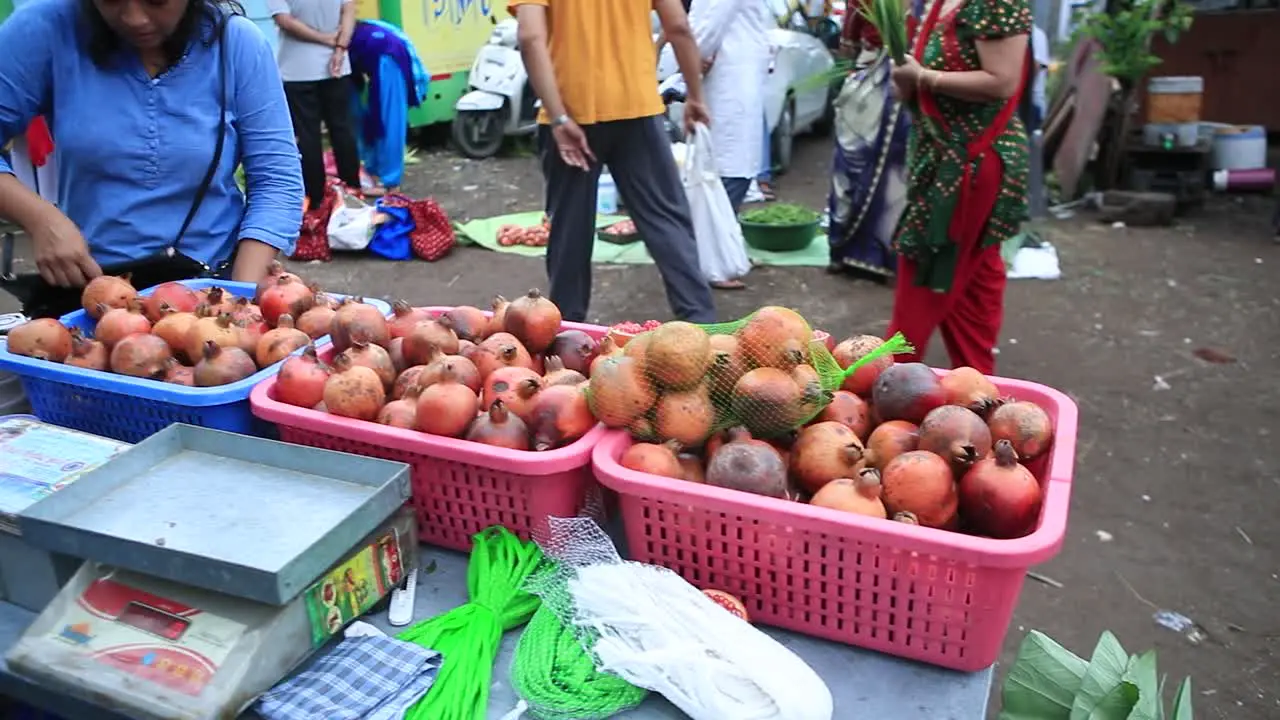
606	194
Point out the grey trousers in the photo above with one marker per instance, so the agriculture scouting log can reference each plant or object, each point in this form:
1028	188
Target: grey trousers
736	189
638	153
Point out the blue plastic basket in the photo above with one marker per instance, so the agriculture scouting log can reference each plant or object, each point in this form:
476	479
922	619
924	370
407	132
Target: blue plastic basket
130	409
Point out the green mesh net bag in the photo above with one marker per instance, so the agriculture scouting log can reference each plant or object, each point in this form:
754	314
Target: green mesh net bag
685	382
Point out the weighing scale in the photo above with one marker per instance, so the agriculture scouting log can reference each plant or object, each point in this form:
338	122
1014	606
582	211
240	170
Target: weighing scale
146	629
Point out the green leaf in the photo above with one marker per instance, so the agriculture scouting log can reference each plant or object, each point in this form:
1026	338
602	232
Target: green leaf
1182	701
1105	672
1142	673
1043	681
1118	704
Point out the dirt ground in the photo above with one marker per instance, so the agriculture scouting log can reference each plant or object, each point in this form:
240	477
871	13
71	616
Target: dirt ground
1176	497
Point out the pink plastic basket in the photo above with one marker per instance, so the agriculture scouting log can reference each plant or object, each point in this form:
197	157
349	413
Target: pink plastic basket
939	597
459	487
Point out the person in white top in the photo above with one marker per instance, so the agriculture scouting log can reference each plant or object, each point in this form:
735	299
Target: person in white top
317	82
1039	53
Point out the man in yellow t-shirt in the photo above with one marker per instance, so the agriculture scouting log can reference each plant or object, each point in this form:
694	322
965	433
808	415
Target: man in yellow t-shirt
591	62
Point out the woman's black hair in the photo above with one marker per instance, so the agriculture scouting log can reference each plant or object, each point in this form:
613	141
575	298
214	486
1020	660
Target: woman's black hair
105	44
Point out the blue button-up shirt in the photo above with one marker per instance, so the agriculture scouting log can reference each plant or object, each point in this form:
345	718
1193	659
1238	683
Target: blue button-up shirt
132	150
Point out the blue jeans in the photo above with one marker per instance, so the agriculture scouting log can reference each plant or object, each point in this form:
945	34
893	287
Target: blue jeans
736	189
766	172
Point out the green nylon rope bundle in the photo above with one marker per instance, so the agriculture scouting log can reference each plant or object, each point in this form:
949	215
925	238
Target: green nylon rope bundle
469	636
558	680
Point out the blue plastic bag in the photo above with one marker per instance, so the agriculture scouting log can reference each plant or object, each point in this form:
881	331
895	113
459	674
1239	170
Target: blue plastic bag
391	239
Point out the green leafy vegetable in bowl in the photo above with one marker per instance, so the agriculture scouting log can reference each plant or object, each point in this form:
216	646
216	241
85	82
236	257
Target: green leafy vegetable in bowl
781	214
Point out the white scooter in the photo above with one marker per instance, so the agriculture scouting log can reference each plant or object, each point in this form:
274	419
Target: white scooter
500	101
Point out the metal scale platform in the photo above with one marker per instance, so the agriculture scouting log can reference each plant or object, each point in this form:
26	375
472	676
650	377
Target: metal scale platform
216	564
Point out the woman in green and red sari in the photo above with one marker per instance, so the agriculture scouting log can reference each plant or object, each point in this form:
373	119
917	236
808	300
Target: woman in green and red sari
967	174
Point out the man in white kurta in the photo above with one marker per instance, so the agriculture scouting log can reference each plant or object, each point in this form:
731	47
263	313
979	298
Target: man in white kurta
733	37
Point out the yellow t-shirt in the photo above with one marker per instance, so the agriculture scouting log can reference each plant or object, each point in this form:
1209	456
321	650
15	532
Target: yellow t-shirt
604	60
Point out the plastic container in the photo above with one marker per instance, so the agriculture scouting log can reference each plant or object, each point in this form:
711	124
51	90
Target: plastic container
1174	100
459	487
131	409
1258	180
1239	148
606	195
939	597
779	238
1182	135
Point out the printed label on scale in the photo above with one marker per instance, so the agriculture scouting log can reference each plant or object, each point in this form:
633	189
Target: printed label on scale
37	460
156	639
353	587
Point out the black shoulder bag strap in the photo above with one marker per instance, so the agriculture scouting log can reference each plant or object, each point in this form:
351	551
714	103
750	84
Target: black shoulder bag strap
221	42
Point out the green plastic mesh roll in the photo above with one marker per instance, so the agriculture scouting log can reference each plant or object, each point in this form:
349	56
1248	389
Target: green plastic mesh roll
684	382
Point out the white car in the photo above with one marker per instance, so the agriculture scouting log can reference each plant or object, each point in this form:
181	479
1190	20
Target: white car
800	88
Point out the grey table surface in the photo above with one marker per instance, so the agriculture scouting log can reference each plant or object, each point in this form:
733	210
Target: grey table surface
865	684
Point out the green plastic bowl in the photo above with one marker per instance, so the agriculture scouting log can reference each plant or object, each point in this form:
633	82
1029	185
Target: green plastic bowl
778	238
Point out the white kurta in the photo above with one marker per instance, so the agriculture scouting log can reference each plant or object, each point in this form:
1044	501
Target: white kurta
735	33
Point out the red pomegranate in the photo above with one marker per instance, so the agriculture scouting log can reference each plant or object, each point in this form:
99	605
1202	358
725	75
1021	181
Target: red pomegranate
117	323
404	317
401	413
852	350
999	497
106	292
654	459
849	410
969	388
353	315
447	408
1025	425
500	428
824	452
889	440
957	434
469	323
286	296
140	355
921	483
223	366
86	353
353	391
176	296
533	320
301	379
42	338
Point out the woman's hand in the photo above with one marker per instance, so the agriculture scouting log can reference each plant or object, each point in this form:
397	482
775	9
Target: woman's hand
253	259
62	255
906	78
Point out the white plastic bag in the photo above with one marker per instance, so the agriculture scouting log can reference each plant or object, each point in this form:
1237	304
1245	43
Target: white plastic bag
351	225
722	254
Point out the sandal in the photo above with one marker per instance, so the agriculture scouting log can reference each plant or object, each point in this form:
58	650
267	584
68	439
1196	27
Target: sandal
766	189
728	285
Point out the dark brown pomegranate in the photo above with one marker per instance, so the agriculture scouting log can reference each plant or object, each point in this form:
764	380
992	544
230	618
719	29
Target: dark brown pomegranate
957	434
907	391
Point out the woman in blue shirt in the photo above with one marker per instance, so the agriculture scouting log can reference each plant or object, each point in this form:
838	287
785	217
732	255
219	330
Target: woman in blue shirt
153	105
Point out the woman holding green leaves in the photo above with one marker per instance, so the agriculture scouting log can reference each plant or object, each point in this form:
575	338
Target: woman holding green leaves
967	174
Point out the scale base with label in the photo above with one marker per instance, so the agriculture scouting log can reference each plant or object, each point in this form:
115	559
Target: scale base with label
154	649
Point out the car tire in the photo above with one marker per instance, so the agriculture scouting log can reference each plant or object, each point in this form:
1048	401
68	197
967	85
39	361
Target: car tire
783	139
478	134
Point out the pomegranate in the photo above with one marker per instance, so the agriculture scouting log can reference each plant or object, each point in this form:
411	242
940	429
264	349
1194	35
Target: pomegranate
853	349
42	338
395	349
753	467
860	496
727	365
957	434
728	602
427	338
171	295
316	321
86	353
605	349
401	413
178	374
907	391
685	416
969	388
287	295
355	314
850	410
219	330
245	311
464	371
775	337
498	318
517	388
560	416
223	365
353	391
533	320
219	301
174	328
575	349
500	428
375	357
637	350
275	271
619	391
404	317
498	350
301	379
106	292
406	380
921	483
889	440
654	459
140	355
999	497
691	468
1025	425
447	407
824	452
278	344
116	323
558	374
677	354
469	323
768	402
